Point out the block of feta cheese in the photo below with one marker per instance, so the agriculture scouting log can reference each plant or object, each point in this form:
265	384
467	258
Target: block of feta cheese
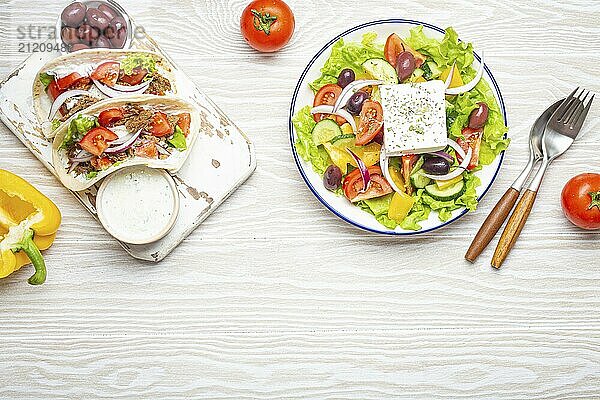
414	117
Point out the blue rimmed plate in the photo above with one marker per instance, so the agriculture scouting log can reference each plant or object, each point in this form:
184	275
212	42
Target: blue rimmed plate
304	96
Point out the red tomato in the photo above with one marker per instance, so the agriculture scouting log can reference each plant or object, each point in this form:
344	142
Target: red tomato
394	45
136	77
408	162
67	81
328	95
580	201
353	185
110	117
267	25
107	73
101	163
184	122
147	150
160	125
95	141
371	122
472	139
53	90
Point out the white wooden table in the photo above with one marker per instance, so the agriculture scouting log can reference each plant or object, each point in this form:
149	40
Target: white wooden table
273	297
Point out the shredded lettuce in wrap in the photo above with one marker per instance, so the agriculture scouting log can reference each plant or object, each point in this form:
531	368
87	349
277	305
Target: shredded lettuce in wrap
77	129
135	60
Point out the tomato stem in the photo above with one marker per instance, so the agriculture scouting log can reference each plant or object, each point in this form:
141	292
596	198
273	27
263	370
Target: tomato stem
263	21
595	200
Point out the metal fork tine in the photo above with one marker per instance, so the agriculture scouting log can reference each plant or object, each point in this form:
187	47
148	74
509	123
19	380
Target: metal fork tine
566	102
577	109
576	127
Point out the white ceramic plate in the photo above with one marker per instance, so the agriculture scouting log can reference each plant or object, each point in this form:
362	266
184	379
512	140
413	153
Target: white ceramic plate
304	96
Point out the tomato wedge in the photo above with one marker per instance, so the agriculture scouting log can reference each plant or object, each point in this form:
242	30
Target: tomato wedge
472	139
328	95
138	74
95	141
110	117
394	45
107	73
353	185
184	122
101	163
408	162
371	122
146	150
53	90
160	125
67	81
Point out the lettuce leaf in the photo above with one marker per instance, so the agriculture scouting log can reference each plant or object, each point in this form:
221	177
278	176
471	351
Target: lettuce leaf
134	60
348	55
178	139
46	79
379	207
443	53
77	129
306	148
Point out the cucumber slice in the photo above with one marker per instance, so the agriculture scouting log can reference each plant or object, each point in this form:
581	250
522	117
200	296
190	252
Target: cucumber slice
342	137
324	131
450	193
419	180
382	70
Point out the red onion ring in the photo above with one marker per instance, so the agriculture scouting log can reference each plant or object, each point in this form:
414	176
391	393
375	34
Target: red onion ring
364	171
124	146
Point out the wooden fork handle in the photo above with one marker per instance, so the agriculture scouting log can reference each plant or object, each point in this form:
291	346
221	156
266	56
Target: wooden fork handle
492	224
513	227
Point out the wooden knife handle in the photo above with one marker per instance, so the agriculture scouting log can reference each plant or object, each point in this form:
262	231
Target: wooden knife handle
513	227
492	224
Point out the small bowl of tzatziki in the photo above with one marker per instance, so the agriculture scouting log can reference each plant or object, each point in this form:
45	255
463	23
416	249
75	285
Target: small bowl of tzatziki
138	204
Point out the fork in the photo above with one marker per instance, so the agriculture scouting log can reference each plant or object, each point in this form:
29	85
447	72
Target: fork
563	127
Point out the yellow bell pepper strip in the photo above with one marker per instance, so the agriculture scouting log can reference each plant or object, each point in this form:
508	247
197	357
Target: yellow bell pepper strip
28	224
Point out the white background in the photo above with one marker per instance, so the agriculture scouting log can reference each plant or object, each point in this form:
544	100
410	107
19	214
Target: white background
274	297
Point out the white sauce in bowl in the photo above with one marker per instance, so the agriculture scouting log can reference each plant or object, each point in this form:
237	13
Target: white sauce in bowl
138	205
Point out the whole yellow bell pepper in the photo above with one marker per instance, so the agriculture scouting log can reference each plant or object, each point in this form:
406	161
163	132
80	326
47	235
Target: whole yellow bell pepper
28	224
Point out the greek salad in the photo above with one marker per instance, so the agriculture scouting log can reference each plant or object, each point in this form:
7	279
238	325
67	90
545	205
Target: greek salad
400	129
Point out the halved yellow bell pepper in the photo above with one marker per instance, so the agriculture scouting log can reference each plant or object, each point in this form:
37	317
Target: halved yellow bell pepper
28	224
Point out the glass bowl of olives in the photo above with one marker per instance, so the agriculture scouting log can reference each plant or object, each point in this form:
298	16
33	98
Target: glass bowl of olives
93	24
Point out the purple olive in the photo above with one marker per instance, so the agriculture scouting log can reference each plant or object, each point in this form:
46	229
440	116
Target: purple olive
355	102
479	116
102	42
118	41
78	46
97	19
436	165
73	14
405	65
332	178
110	13
346	77
69	35
88	34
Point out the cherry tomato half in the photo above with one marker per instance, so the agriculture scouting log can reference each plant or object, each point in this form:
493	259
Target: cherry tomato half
107	73
160	125
580	201
371	122
96	140
70	80
184	122
110	117
267	25
472	139
394	45
353	185
328	95
135	78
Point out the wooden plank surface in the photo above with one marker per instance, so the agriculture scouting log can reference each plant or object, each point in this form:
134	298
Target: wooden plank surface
273	297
